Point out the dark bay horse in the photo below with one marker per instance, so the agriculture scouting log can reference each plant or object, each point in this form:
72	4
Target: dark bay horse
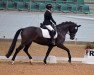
34	34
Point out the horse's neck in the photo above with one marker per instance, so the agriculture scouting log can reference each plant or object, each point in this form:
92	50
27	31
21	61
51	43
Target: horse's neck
62	30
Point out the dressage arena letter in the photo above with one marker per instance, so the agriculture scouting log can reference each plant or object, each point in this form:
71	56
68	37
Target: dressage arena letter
91	53
89	57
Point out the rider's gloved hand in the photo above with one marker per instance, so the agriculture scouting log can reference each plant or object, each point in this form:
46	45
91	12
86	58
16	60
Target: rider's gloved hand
55	23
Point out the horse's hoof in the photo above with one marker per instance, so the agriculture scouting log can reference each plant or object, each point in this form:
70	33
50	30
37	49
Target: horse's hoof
12	62
45	62
31	61
69	61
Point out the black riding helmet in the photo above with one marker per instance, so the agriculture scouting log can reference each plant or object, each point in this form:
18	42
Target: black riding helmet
48	6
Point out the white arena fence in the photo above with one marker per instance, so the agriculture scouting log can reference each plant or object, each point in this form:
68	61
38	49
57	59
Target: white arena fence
40	58
87	59
51	59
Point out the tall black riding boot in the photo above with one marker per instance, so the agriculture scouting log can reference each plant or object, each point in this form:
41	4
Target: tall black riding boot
52	34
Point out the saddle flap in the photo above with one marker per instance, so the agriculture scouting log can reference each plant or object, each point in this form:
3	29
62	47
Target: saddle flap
46	33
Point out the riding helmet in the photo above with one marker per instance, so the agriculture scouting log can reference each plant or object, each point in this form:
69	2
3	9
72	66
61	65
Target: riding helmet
48	6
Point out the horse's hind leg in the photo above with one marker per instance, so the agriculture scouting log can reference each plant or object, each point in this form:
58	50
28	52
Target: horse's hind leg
16	52
26	51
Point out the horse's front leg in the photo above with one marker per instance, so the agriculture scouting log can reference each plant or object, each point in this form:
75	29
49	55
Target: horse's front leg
47	53
66	49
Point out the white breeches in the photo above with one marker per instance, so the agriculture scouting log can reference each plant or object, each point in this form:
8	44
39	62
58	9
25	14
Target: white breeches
49	27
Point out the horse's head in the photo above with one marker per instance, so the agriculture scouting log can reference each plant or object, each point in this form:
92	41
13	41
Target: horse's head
69	27
73	28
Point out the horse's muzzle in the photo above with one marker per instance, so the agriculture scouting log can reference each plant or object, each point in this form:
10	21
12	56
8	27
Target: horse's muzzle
71	38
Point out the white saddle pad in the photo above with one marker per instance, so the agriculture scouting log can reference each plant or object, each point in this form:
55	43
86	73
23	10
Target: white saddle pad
46	33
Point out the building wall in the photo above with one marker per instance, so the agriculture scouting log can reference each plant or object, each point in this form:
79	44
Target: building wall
11	21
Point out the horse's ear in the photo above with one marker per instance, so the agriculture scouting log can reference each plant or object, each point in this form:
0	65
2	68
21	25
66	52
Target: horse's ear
78	25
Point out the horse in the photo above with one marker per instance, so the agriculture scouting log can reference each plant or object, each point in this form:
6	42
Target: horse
34	34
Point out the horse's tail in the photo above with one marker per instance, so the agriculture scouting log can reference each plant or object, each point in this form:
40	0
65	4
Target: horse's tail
11	49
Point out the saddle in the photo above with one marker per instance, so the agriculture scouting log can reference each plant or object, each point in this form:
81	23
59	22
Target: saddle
46	33
42	26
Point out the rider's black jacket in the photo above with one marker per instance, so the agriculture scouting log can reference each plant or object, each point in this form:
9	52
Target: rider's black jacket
48	19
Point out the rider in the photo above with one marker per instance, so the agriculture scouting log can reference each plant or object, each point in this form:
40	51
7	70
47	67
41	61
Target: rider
49	22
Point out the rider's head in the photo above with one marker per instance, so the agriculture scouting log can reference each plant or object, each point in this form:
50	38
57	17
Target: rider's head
48	6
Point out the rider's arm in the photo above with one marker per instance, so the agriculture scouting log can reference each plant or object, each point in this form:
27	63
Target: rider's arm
52	19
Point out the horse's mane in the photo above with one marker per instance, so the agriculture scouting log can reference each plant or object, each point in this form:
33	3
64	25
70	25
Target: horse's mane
67	22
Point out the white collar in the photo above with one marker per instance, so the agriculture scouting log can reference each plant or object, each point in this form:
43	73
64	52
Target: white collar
49	10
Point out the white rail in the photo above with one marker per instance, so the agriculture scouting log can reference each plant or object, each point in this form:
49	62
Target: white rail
51	59
40	58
